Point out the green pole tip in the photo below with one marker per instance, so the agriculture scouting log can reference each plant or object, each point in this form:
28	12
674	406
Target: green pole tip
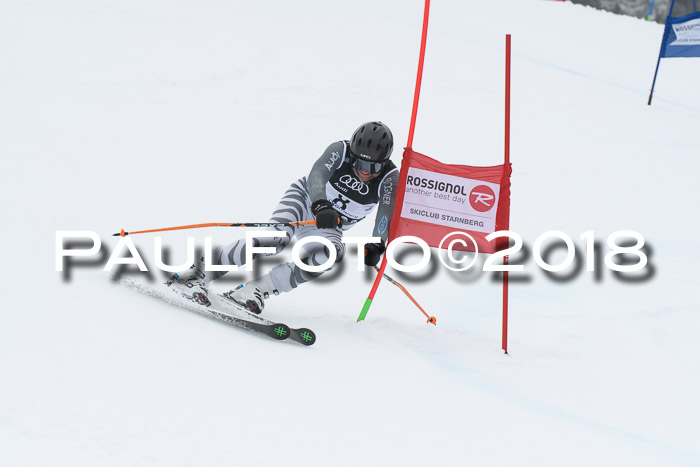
365	309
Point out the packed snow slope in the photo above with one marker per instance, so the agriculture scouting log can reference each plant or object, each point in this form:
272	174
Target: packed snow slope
136	115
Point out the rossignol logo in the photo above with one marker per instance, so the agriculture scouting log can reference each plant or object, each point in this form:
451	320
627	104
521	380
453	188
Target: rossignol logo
482	198
435	185
689	27
354	184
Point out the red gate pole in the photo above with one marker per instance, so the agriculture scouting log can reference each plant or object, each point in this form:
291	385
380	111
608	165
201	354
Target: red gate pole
419	77
504	337
409	144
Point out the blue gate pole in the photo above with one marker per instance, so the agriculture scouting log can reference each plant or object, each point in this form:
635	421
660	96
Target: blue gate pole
653	83
663	46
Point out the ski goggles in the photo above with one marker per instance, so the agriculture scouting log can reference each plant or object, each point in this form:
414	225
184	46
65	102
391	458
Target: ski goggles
366	166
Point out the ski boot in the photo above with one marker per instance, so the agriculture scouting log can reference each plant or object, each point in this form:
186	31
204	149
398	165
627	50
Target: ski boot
253	294
191	284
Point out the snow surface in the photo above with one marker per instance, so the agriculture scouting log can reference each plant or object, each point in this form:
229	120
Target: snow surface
126	114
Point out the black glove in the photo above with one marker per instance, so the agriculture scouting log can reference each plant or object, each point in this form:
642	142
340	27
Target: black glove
326	216
373	251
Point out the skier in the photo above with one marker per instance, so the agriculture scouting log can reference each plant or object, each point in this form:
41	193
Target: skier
344	186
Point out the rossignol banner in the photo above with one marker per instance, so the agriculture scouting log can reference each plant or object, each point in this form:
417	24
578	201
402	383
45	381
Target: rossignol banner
682	37
437	199
450	200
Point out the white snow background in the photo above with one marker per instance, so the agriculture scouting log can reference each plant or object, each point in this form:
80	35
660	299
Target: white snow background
136	115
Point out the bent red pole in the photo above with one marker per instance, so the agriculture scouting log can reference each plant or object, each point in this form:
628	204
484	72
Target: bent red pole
419	75
216	224
431	319
409	144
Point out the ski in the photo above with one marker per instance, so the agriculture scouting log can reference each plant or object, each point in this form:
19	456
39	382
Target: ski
277	331
304	336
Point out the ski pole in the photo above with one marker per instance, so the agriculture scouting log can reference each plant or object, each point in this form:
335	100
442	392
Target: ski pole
431	319
217	224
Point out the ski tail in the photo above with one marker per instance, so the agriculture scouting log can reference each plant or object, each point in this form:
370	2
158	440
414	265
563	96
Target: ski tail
304	336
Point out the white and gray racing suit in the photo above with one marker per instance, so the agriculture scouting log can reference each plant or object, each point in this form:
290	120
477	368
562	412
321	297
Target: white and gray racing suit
332	178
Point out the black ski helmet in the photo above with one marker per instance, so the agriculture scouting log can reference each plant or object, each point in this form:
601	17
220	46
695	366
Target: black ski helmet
372	142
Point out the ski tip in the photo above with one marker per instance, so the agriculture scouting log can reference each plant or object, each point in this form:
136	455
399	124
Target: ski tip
305	336
280	331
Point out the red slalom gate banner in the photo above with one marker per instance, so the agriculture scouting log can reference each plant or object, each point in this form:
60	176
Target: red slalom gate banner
436	199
